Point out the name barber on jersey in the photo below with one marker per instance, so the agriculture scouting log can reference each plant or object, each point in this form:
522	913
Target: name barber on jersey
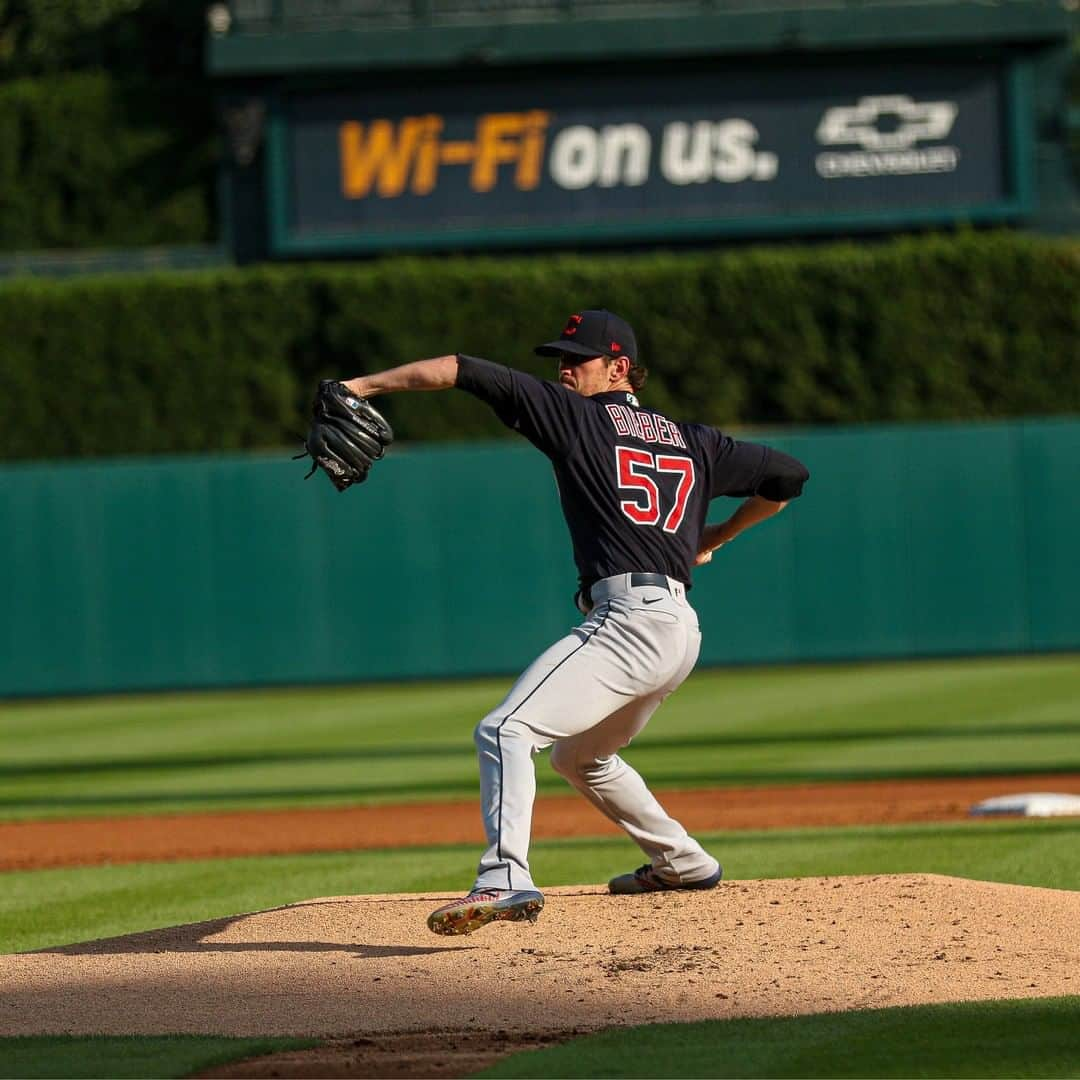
646	426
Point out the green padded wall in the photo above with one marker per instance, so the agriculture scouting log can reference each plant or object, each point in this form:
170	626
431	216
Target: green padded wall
454	560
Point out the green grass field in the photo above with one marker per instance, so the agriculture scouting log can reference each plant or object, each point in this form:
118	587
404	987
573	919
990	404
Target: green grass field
127	1058
1018	1039
393	743
1038	1038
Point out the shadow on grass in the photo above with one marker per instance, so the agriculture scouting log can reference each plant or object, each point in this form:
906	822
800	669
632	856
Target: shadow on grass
129	1057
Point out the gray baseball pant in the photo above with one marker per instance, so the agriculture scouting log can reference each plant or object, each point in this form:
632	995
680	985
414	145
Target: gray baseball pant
587	696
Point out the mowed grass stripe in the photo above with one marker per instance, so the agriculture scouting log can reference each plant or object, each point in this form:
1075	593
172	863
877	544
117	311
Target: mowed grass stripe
44	908
379	744
656	744
1027	1038
789	701
925	694
660	779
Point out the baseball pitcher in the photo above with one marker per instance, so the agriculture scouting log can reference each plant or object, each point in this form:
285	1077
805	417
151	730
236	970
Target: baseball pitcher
635	488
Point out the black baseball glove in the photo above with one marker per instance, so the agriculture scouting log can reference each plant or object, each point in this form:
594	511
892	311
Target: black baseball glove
347	435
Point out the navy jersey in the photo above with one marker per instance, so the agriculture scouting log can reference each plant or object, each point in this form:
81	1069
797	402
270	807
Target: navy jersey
634	485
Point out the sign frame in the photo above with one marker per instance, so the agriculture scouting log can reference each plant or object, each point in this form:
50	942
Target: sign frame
1018	143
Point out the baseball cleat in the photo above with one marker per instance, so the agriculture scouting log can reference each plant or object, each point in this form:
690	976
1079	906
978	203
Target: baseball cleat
645	879
482	906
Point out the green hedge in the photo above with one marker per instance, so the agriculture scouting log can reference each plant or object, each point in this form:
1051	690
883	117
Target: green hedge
87	160
149	38
964	327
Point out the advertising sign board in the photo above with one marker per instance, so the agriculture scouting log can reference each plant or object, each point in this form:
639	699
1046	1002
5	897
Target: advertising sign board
620	156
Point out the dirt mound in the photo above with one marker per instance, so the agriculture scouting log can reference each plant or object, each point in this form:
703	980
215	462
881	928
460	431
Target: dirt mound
366	971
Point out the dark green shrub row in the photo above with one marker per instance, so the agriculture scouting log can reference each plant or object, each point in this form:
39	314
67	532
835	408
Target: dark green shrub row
161	38
87	160
969	327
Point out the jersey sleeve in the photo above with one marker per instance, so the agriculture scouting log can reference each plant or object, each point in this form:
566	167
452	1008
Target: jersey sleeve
737	466
548	415
783	478
745	468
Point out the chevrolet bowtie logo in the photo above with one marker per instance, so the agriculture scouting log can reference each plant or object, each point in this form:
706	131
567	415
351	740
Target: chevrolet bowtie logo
889	122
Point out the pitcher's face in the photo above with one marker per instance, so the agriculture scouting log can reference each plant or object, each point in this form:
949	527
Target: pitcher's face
585	375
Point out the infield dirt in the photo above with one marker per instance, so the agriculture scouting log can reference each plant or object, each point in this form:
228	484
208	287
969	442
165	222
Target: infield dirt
395	1000
31	845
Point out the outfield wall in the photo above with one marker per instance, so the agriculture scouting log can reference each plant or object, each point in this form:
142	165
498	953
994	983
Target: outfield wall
454	560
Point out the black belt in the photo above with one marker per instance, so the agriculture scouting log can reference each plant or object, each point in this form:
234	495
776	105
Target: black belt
637	581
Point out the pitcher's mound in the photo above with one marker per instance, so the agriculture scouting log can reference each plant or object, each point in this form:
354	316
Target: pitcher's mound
366	968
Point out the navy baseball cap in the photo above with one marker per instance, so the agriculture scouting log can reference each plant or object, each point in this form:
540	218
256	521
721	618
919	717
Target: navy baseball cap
593	333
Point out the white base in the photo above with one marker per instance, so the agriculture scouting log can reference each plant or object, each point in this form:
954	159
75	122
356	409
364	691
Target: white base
1034	804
